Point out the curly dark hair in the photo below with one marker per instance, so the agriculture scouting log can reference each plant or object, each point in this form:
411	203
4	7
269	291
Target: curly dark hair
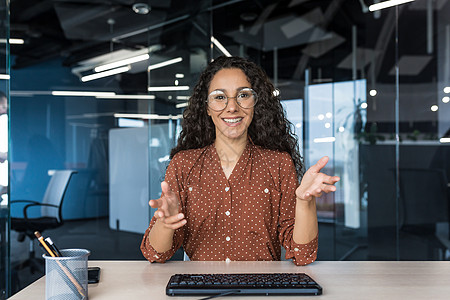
269	128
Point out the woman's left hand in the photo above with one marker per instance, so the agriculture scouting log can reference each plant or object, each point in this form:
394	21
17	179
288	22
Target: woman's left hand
314	183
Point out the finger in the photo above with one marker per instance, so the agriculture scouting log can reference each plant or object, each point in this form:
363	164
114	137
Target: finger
176	225
305	197
159	214
330	179
155	203
174	219
166	188
315	193
318	192
319	164
329	188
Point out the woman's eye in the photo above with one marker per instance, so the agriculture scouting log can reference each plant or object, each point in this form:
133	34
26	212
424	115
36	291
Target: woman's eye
244	95
219	97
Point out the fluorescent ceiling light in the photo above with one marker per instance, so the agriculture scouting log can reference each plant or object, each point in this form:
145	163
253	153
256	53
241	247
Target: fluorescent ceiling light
447	90
106	73
148	116
221	48
145	97
13	41
123	122
82	94
182	97
330	139
386	4
5	76
181	105
179	75
444	140
122	62
168	88
29	93
165	63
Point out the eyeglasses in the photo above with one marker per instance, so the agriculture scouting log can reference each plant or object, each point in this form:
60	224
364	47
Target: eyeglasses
245	98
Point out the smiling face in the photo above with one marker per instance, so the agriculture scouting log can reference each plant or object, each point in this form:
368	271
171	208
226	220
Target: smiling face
232	122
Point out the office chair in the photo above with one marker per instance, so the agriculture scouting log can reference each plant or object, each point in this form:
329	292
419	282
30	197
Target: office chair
50	216
423	203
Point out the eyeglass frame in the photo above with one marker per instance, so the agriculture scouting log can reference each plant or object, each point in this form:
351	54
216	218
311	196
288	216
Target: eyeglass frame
235	97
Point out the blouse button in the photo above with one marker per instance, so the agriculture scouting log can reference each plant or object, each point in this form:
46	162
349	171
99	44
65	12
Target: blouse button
190	189
227	189
266	190
227	260
227	213
295	249
228	238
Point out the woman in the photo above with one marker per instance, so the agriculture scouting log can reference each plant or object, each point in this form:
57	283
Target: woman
231	190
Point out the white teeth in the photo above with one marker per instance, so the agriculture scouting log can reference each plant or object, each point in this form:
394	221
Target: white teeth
232	120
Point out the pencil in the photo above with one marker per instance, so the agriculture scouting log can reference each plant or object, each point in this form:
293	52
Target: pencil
41	240
75	282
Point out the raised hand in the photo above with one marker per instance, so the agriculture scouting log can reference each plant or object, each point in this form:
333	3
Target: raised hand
314	183
168	206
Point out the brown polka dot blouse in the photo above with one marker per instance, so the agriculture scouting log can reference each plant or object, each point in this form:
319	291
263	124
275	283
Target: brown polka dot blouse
245	217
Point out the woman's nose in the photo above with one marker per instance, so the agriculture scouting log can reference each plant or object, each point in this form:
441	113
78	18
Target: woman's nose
232	104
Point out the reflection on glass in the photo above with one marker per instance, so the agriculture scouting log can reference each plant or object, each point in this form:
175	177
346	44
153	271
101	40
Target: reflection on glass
339	141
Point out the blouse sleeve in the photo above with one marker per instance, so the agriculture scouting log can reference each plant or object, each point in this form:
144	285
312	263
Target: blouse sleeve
174	179
301	254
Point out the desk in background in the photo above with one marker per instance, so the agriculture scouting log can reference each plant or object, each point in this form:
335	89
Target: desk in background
339	280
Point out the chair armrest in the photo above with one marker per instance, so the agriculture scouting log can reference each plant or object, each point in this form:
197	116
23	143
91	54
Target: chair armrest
24	201
25	215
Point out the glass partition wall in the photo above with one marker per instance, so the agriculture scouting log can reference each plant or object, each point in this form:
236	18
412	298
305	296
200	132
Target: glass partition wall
368	89
372	87
104	98
4	159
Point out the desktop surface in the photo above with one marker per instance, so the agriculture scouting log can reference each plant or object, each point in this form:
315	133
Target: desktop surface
339	279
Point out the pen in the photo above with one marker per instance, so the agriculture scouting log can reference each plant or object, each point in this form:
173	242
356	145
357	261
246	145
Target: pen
66	271
53	246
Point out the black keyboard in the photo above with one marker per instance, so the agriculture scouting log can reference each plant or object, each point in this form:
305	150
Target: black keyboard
242	284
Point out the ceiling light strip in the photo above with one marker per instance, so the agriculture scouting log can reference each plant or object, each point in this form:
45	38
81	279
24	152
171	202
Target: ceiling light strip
168	88
444	140
183	97
13	41
105	74
181	105
386	4
5	76
144	97
122	62
165	63
330	139
221	48
148	116
81	93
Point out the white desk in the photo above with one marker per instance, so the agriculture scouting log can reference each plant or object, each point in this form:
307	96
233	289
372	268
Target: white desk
339	280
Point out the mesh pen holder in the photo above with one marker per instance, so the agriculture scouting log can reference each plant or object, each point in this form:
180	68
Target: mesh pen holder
66	277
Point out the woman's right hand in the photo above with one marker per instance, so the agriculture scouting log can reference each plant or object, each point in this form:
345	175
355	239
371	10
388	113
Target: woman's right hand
168	212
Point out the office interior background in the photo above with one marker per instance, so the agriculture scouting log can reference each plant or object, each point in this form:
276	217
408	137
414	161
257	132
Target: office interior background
369	89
